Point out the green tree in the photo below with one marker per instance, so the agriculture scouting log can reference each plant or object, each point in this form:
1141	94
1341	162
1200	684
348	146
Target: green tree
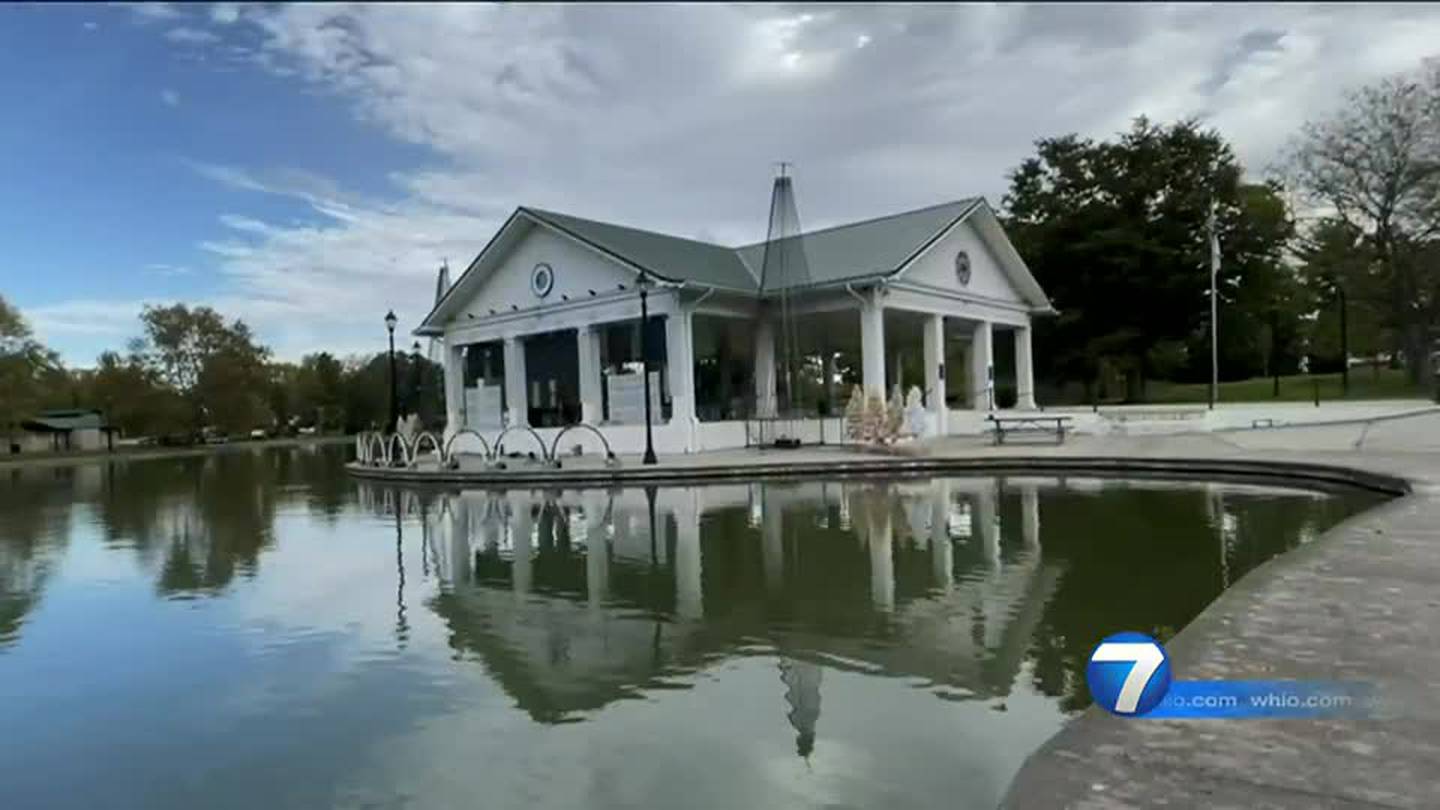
29	371
319	391
132	396
216	367
1116	233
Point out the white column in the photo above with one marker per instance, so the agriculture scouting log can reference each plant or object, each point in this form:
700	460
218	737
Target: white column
454	357
587	343
516	397
982	364
872	346
680	361
1024	370
764	368
935	370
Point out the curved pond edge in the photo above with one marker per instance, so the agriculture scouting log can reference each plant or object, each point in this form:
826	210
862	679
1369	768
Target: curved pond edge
1356	603
1279	472
1359	602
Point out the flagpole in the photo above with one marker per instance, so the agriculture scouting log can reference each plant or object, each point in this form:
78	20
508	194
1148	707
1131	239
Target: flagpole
1214	306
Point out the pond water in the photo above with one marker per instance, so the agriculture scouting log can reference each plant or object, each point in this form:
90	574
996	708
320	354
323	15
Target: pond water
257	629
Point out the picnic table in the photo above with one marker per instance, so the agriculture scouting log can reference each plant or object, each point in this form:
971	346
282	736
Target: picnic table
1030	423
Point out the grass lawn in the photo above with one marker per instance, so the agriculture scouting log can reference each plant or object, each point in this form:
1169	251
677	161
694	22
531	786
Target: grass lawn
1364	384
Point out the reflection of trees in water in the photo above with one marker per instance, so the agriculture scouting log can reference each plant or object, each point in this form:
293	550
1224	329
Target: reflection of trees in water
35	528
1150	560
197	521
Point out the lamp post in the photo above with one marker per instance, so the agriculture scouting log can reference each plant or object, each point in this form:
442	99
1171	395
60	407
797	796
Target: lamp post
390	321
416	378
645	365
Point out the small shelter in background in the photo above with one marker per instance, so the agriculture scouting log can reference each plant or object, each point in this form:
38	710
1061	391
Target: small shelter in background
63	430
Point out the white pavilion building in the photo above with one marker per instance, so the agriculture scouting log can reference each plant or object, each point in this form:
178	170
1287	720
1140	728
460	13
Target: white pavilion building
542	328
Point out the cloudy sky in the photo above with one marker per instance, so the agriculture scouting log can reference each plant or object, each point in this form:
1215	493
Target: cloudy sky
307	167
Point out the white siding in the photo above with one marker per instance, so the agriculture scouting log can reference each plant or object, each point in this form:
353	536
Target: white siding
578	269
936	267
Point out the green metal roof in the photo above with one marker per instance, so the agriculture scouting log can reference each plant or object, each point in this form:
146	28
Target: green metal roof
856	250
873	247
669	257
65	420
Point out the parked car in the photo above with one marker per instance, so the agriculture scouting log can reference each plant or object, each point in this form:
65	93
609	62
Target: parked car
258	433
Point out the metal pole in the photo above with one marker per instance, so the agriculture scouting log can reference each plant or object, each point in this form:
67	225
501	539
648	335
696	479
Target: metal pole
1344	344
394	402
1214	308
1275	350
645	369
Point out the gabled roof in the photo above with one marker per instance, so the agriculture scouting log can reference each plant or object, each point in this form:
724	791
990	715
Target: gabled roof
871	249
669	257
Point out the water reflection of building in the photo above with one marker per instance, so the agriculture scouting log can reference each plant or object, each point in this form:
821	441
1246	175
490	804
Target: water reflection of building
575	599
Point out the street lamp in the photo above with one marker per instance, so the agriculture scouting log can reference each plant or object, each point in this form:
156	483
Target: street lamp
390	321
645	365
415	378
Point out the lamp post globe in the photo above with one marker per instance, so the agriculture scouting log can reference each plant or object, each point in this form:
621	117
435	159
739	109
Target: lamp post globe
390	321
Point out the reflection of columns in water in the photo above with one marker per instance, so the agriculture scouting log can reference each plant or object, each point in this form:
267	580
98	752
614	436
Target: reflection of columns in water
942	560
459	528
773	538
881	541
987	527
802	692
520	543
597	550
689	596
1030	516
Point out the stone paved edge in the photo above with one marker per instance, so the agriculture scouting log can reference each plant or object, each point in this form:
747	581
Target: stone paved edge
1248	470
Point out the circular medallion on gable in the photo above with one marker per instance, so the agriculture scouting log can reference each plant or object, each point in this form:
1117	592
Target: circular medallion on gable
542	280
962	267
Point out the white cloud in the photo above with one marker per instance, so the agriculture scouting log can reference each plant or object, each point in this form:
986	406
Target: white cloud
106	318
186	35
170	97
672	117
170	270
91	25
225	13
146	12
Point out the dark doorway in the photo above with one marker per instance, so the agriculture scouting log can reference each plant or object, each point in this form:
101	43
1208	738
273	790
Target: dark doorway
552	377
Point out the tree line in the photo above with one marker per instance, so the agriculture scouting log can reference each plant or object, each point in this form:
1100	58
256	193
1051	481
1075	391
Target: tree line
192	372
1338	243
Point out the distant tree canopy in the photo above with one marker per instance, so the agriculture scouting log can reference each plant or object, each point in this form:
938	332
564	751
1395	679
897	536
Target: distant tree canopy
194	370
30	373
1374	165
1115	231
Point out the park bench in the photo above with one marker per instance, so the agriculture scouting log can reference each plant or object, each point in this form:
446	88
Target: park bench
1029	424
